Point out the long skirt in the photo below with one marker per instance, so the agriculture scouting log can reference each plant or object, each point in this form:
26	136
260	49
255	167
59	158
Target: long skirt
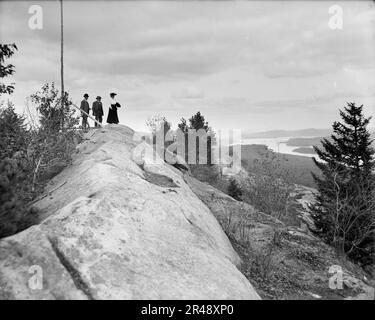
112	115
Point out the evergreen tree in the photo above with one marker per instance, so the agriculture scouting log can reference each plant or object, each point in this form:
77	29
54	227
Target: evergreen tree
183	125
6	51
14	167
14	171
345	208
197	122
13	132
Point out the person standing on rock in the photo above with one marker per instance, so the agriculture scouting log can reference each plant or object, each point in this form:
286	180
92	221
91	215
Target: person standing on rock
86	108
97	110
112	112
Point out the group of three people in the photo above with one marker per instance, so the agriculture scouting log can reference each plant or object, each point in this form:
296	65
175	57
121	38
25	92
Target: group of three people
97	110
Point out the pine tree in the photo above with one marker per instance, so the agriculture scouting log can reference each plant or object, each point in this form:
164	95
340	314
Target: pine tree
6	51
14	170
183	125
197	122
345	208
13	131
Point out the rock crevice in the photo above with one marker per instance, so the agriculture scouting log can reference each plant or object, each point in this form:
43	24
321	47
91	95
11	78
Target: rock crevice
75	275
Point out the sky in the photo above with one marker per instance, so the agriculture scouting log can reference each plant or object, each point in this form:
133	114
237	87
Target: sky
244	64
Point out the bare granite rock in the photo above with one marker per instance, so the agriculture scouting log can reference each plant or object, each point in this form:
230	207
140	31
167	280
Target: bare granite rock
120	225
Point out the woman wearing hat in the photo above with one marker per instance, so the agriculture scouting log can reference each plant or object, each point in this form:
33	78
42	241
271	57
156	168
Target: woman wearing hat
112	113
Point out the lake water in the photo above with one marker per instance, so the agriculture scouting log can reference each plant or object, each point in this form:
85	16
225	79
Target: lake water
278	145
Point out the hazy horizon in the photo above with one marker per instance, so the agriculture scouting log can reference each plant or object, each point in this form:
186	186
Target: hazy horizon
258	66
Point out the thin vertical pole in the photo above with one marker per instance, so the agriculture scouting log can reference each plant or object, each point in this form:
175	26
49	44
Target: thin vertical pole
62	62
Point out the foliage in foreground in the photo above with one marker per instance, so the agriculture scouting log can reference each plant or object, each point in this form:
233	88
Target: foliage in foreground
6	52
14	171
31	156
345	206
270	190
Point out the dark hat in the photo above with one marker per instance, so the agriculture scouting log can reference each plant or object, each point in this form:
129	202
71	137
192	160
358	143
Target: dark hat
86	95
113	94
98	97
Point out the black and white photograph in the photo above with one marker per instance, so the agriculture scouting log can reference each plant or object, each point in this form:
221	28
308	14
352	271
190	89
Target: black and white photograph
204	152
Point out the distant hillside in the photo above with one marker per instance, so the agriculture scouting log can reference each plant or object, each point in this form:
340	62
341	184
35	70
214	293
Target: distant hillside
313	141
305	150
304	142
311	132
300	167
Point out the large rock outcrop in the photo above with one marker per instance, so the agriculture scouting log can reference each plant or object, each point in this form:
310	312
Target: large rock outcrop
118	226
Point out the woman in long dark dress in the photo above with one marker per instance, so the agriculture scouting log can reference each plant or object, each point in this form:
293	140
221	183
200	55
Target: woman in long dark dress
112	113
